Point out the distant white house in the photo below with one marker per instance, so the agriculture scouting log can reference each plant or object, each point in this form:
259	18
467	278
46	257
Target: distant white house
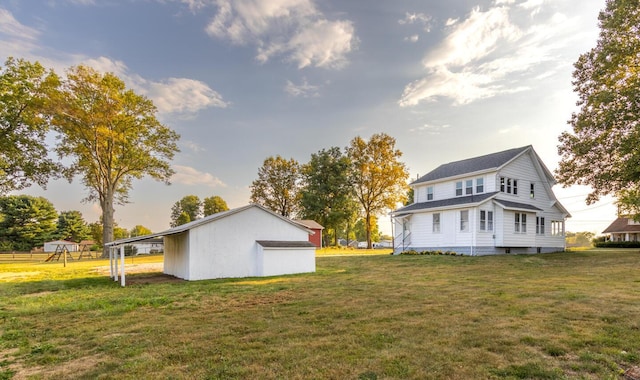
492	204
249	241
145	247
60	246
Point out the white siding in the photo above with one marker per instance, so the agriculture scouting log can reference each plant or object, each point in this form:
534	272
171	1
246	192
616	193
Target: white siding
176	255
227	247
278	261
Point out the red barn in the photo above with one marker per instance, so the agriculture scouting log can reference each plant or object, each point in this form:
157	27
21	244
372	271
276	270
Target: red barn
316	237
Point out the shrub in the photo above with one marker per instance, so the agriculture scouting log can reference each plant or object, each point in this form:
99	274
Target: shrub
617	244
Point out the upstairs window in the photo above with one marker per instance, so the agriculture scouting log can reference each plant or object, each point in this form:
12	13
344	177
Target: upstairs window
458	188
479	185
430	193
469	187
532	190
509	185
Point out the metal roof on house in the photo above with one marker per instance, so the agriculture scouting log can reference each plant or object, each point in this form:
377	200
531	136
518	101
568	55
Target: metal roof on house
621	225
285	244
472	165
458	201
516	205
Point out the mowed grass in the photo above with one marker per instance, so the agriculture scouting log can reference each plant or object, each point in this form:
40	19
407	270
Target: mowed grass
553	316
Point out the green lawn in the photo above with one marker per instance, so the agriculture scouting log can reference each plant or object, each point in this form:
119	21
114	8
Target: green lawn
554	316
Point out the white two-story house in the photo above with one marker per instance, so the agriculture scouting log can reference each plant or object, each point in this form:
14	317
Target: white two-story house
493	204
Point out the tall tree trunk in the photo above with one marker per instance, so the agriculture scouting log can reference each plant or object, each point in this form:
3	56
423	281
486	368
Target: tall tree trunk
107	221
368	229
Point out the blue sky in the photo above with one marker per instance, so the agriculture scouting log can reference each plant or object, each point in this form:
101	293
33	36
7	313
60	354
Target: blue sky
247	79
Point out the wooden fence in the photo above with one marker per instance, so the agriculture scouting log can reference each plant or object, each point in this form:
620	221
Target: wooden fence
7	257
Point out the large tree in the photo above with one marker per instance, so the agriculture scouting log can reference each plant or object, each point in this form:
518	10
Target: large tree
213	205
326	195
277	186
186	210
26	221
113	137
378	176
72	226
24	91
602	149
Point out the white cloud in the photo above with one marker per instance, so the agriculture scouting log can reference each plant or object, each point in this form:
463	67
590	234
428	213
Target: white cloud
304	89
172	95
487	54
474	38
293	29
184	95
12	28
187	175
431	129
417	18
450	21
413	38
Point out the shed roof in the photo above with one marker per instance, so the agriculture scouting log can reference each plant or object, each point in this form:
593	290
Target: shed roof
205	220
621	225
472	165
285	244
310	224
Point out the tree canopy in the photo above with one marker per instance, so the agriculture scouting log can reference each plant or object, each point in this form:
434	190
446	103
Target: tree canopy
213	205
277	186
602	149
113	137
26	221
25	89
378	176
186	210
326	195
72	226
139	230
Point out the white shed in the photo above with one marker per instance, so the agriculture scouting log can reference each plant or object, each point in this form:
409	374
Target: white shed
249	241
60	245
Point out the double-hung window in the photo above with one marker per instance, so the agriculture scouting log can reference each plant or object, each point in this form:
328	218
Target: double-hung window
479	185
520	223
486	220
430	193
469	187
436	223
464	220
540	225
458	188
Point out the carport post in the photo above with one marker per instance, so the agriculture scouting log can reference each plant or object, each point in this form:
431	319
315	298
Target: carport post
122	264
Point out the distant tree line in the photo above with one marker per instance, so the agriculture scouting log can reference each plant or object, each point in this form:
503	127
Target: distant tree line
27	222
344	191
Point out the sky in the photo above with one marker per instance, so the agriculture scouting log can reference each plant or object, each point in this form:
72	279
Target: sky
243	80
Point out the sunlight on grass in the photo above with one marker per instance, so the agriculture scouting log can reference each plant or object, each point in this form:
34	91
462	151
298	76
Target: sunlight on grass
553	316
